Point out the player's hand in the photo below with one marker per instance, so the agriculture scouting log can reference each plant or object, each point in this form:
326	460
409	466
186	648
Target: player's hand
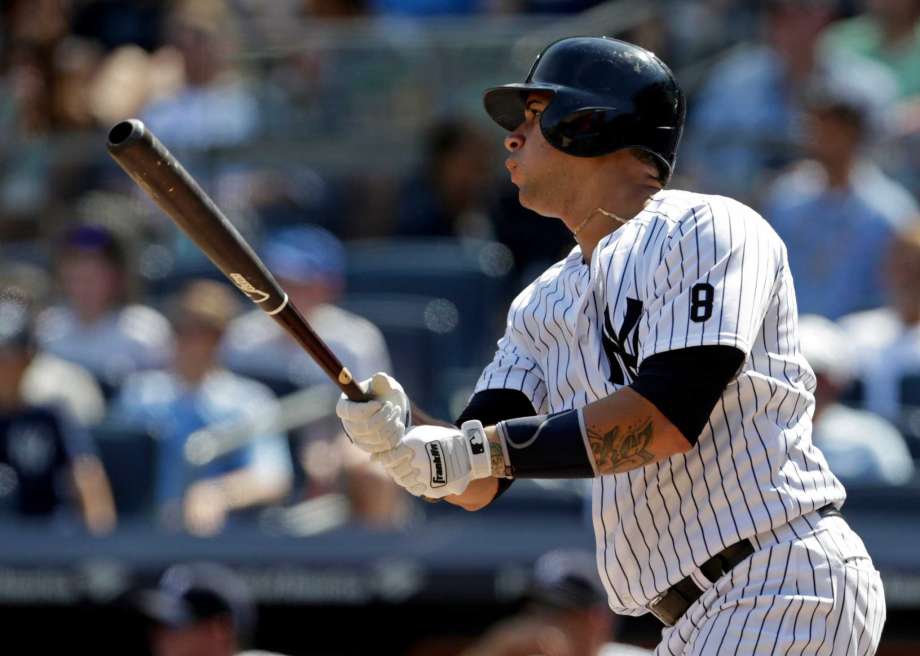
376	425
435	462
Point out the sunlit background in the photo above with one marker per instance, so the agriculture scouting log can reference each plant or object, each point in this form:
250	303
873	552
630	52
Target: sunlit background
150	416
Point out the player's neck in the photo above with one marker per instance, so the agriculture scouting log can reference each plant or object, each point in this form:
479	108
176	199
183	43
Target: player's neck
593	223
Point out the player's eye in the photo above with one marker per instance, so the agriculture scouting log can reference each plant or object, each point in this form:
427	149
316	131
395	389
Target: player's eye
534	110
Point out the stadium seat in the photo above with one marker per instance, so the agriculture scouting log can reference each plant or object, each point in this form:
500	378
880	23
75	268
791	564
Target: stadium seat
472	274
129	458
910	413
422	343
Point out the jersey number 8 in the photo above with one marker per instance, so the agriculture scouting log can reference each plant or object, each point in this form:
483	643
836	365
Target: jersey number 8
701	297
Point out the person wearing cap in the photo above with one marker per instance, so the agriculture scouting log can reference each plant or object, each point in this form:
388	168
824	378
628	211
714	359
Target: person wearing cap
47	461
198	609
96	325
860	446
565	614
837	211
196	392
309	263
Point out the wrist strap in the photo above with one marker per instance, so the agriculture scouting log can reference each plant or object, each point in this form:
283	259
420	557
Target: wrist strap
478	445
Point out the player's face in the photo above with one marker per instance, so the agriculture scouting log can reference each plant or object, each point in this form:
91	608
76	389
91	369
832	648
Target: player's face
543	175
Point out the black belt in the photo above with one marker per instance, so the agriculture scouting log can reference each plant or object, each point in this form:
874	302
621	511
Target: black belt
674	602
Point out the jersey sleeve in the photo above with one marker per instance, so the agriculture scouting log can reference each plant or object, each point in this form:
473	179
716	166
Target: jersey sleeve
713	282
514	366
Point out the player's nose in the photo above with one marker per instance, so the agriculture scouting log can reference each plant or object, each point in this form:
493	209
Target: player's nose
514	141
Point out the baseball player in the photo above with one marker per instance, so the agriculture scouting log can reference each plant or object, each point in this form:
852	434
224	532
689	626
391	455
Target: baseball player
660	359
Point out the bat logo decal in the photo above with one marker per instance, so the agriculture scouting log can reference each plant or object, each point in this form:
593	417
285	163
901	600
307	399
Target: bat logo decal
255	295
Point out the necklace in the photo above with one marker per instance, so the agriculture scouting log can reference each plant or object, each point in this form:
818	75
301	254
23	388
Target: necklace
609	215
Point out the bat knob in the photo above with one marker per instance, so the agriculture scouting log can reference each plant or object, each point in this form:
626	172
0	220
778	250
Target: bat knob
126	132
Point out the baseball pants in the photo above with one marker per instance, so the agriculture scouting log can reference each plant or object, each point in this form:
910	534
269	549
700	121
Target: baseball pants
810	589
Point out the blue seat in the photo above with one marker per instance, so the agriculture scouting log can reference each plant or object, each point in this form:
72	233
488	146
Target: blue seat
472	274
423	339
910	413
129	458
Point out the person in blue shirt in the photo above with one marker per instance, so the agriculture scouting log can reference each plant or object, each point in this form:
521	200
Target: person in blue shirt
193	393
748	118
836	211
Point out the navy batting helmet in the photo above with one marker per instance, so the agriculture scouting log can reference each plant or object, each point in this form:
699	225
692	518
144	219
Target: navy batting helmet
607	95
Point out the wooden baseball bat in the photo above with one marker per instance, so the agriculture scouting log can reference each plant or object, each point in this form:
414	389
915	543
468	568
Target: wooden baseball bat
158	173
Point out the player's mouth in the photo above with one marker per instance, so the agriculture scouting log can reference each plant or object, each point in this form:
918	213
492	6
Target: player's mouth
512	166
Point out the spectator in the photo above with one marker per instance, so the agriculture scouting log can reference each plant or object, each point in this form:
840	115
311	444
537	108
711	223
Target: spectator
837	211
195	393
346	487
860	446
49	380
748	117
309	263
887	33
567	614
25	119
96	327
447	197
887	339
46	461
203	609
214	108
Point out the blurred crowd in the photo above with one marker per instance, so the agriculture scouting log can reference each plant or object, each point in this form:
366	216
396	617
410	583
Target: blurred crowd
208	609
135	386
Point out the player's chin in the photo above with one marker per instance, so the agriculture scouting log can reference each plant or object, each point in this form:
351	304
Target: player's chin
531	201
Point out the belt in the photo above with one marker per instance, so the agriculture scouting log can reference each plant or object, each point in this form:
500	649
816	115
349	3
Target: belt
671	604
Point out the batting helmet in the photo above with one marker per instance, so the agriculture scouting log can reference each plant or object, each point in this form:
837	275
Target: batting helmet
607	95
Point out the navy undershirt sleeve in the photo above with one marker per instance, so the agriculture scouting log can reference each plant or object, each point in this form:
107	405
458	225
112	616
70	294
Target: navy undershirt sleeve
685	384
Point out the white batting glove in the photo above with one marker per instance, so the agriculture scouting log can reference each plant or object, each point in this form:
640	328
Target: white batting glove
434	461
378	424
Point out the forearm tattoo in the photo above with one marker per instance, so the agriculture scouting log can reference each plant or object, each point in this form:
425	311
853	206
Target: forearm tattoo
499	468
622	449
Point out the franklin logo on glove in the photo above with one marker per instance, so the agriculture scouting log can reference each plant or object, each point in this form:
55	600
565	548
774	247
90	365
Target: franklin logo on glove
437	465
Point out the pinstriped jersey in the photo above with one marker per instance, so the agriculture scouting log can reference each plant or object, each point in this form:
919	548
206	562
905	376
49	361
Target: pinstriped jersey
689	270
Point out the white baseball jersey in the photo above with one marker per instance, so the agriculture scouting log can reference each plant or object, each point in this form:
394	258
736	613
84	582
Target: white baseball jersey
689	270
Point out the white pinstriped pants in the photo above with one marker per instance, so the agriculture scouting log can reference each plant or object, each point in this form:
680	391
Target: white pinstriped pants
809	590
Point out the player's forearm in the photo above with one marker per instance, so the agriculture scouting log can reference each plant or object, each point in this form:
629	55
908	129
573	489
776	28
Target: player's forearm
622	431
625	431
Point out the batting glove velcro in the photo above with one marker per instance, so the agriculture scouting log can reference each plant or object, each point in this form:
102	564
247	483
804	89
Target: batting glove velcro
378	424
435	462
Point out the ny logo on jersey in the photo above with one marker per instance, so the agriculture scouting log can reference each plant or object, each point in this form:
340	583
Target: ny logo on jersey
622	364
